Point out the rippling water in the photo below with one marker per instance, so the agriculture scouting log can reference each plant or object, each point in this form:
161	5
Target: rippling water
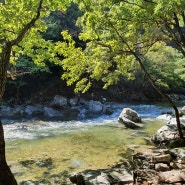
34	129
78	144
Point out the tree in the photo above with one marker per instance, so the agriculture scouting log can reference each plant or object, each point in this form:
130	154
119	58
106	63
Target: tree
166	74
21	26
118	35
62	20
17	73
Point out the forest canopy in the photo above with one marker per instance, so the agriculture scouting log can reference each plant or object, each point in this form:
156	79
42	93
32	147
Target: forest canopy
101	38
115	32
118	40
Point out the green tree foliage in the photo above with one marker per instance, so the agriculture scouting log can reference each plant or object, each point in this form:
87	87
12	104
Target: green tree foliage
119	35
116	31
21	29
62	20
26	65
163	63
15	15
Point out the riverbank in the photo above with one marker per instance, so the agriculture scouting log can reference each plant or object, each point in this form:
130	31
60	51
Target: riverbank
94	145
155	167
47	151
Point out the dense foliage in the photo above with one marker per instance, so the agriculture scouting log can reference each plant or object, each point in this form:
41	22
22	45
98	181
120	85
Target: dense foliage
21	28
23	71
112	30
120	37
117	31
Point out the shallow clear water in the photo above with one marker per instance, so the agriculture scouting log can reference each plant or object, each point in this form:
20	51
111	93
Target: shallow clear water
40	148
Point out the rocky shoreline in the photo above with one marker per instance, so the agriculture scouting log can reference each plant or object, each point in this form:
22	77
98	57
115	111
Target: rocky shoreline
59	108
157	167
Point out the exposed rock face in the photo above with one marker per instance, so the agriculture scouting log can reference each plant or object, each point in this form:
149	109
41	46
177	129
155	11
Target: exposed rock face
165	134
130	118
166	166
95	106
157	167
182	111
50	112
33	110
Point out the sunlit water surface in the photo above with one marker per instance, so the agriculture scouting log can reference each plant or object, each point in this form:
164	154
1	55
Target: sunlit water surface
36	149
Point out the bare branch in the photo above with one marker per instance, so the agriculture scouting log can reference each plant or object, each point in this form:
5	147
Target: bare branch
103	45
11	31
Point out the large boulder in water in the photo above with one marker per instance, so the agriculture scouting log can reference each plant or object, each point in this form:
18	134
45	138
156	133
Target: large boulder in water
95	106
168	135
130	118
33	110
165	134
182	111
50	112
59	101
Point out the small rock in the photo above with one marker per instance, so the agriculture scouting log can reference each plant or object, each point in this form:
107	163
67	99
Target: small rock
166	158
103	179
124	177
161	167
172	176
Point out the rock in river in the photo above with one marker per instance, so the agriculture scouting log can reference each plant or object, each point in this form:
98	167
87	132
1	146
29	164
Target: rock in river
130	118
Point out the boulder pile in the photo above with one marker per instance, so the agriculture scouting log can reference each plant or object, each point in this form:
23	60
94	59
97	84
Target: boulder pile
157	167
60	107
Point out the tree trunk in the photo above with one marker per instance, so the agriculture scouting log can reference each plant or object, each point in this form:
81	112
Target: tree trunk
164	96
6	176
137	57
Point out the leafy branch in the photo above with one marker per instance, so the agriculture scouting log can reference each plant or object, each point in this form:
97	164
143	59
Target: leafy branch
28	26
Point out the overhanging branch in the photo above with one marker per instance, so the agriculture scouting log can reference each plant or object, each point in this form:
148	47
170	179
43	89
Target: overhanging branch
27	26
137	57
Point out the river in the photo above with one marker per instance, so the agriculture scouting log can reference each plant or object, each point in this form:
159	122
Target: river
47	151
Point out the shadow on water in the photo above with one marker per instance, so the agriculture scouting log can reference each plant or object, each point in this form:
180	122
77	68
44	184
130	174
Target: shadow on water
47	177
47	151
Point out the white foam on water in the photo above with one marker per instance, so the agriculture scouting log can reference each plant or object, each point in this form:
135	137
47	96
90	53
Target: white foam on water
36	129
